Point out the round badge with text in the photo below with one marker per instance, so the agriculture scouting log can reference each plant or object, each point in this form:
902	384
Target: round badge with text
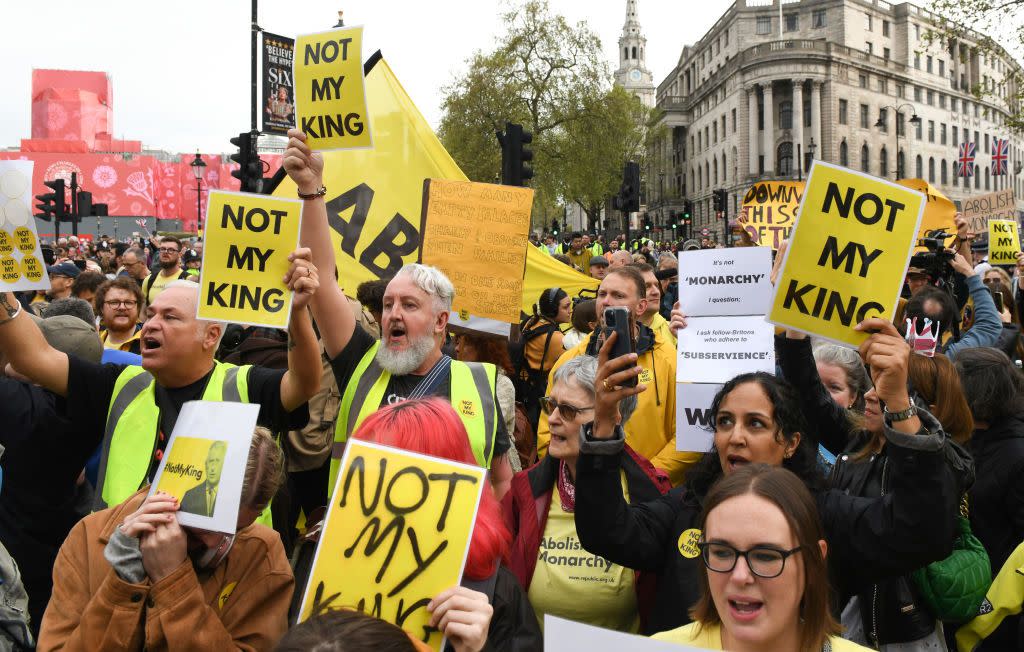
33	269
9	270
688	543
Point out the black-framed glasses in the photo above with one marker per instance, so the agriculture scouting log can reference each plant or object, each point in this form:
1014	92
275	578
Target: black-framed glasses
168	250
116	303
568	412
764	561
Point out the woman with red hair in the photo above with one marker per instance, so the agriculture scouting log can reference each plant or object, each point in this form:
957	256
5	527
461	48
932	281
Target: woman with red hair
431	427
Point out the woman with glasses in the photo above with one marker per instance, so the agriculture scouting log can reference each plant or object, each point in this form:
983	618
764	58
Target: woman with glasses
560	577
118	303
764	580
757	419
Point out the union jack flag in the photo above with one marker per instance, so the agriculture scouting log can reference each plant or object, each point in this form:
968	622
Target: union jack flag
1000	155
965	162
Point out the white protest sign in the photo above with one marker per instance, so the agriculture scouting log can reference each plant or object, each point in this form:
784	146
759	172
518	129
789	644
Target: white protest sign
21	256
714	349
204	464
693	416
569	636
725	281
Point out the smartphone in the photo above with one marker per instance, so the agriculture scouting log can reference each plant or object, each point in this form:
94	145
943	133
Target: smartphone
998	297
617	320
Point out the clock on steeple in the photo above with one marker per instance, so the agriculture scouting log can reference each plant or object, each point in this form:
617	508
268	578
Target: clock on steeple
632	73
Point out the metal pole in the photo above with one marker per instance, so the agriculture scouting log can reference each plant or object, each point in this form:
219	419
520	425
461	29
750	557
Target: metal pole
799	163
254	46
74	203
199	205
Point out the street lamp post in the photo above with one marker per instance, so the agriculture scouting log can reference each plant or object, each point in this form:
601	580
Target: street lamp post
914	120
198	167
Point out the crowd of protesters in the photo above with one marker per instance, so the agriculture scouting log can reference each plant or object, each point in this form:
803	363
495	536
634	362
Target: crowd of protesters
854	498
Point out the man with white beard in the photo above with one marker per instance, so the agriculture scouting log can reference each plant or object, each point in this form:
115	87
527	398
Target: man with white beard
407	363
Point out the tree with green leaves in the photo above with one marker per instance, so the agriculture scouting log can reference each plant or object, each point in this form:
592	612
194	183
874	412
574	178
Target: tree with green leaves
550	77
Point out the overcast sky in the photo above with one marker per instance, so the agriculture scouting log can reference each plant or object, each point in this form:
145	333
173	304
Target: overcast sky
180	68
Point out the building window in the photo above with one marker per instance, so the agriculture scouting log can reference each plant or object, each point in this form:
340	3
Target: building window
714	132
901	167
919	167
931	131
734	121
917	131
977	178
931	170
883	85
901	129
942	134
956	139
867	22
764	24
784	158
975	110
917	32
952	104
928	63
883	121
901	91
944	175
865	158
870	49
863	79
818	18
634	52
725	35
942	68
844	155
917	60
863	116
956	179
785	114
918	93
843	117
986	150
931	97
883	163
942	101
886	53
986	179
885	28
792	22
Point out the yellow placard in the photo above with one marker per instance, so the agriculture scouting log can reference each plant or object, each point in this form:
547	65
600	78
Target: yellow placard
939	211
1003	242
396	534
769	211
245	257
190	461
476	233
330	93
847	255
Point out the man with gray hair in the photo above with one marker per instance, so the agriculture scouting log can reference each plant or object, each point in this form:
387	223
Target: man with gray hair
407	362
132	409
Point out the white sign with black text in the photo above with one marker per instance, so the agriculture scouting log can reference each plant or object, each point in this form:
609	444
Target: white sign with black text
693	416
725	281
714	349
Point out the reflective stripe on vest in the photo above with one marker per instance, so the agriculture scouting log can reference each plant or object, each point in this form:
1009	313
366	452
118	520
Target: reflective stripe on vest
472	396
133	420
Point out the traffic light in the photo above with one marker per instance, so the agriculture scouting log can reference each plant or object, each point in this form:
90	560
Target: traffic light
628	199
250	167
673	218
85	207
554	226
687	211
52	203
515	156
720	200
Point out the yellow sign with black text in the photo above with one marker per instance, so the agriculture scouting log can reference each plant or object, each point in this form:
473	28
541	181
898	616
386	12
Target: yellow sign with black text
1003	242
847	255
245	258
330	91
769	211
397	534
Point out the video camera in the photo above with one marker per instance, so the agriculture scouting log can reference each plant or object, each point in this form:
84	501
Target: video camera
936	261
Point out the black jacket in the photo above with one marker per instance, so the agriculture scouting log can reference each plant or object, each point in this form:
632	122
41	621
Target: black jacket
869	538
997	497
890	607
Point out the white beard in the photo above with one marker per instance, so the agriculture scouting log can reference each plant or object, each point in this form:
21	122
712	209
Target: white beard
401	363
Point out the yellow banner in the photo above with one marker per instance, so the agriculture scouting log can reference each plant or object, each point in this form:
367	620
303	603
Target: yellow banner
330	93
396	534
476	233
847	255
769	211
1003	242
245	257
543	272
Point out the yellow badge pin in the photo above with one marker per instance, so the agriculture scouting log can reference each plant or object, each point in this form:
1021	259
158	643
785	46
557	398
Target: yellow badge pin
688	543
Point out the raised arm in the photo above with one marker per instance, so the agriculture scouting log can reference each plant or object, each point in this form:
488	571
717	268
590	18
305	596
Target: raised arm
329	305
28	351
302	380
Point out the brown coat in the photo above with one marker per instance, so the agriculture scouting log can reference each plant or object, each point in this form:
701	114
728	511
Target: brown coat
241	605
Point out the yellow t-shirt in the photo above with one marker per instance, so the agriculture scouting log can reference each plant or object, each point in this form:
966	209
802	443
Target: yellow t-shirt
571	583
159	281
709	637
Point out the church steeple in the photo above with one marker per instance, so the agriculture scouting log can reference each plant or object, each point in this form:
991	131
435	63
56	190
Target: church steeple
632	73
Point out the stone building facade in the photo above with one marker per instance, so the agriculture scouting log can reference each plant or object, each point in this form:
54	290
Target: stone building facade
771	86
